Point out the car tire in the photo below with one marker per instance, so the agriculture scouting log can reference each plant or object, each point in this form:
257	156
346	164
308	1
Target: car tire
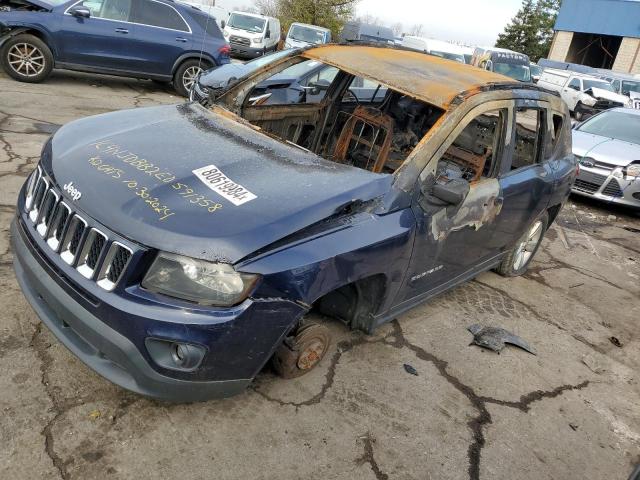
517	261
26	58
186	74
300	353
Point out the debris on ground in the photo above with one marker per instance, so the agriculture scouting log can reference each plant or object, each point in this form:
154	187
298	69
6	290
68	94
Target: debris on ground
495	338
593	364
409	369
615	341
95	414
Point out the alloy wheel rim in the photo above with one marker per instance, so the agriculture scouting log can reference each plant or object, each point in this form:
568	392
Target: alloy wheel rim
26	59
525	249
190	76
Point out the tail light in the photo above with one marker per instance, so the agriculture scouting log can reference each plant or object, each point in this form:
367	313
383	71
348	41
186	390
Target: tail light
224	50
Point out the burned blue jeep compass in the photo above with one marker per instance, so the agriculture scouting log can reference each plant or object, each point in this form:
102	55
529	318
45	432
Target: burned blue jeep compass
178	249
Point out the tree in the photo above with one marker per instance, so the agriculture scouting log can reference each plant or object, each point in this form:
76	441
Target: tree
416	31
531	30
331	14
398	29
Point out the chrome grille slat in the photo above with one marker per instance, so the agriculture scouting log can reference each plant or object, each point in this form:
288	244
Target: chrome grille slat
80	245
38	198
46	210
90	253
58	225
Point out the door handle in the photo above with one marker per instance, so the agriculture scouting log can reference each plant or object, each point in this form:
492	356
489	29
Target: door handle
181	39
122	30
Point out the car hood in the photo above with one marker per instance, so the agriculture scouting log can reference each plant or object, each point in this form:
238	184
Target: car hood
39	3
133	168
219	77
607	150
607	95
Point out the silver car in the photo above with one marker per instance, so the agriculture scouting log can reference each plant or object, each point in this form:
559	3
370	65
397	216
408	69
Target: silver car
607	148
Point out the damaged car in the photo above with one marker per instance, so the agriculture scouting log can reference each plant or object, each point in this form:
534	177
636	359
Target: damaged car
585	95
159	40
607	147
176	250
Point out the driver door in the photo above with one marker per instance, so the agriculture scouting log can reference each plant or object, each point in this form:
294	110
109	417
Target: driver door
455	241
105	40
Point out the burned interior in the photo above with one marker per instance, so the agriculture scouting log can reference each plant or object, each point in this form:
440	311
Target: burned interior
339	116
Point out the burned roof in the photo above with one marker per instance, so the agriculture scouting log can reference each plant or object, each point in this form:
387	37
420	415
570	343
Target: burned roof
428	78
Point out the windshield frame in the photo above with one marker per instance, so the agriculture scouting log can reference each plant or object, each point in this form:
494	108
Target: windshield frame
244	15
604	117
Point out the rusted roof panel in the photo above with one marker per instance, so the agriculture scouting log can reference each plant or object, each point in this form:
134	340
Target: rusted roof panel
428	78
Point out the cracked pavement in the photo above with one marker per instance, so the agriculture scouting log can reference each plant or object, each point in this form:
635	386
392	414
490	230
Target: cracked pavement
569	412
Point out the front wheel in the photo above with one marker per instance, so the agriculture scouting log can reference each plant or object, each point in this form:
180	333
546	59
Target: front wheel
26	58
518	259
300	353
187	75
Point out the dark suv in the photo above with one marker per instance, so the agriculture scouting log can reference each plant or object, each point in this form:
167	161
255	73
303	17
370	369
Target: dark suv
156	39
177	249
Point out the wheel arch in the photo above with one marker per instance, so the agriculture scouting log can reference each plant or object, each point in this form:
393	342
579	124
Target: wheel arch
192	56
31	30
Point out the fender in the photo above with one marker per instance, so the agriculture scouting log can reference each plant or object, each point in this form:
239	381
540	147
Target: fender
17	30
194	56
362	246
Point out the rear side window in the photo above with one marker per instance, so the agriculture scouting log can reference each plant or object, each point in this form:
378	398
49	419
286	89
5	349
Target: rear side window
529	128
558	121
155	14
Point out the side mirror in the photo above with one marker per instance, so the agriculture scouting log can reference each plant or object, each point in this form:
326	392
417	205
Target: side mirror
223	24
268	34
314	88
451	193
80	11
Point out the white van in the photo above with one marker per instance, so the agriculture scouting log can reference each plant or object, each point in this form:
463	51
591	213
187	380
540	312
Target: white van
435	47
302	35
251	35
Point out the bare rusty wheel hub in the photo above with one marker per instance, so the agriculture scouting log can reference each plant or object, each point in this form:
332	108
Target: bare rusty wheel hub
311	355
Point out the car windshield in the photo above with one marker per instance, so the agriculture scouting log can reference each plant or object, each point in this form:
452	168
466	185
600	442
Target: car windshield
306	34
246	22
297	71
522	73
449	56
535	70
614	124
630	87
598	84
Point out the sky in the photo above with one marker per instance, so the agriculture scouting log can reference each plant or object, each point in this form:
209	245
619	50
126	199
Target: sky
474	22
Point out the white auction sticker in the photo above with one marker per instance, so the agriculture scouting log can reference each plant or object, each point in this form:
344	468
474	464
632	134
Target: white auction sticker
217	181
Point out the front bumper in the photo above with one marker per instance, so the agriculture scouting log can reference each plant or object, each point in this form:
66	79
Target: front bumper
603	185
107	330
244	51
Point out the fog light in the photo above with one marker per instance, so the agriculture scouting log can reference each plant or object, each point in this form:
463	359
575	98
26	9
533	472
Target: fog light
185	357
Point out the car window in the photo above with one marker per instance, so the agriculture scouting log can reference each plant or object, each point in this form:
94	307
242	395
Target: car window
575	84
614	124
109	9
628	87
363	90
475	152
529	128
304	82
616	85
558	122
155	14
597	84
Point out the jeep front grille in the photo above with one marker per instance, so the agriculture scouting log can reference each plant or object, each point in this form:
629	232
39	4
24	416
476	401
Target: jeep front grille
69	235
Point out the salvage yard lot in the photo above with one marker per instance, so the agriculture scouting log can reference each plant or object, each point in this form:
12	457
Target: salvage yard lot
569	412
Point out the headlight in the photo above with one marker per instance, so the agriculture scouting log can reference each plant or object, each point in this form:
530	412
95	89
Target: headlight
257	40
198	281
225	34
633	170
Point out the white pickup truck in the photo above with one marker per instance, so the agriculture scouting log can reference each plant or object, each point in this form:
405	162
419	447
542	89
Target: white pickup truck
585	95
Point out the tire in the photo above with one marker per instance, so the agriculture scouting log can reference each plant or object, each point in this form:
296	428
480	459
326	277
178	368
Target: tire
518	259
26	58
302	352
186	74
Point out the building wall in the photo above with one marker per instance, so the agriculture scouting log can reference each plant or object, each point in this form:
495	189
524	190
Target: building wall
628	59
604	17
560	46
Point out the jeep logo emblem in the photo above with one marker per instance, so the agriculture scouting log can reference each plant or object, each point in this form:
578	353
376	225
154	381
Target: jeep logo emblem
73	192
